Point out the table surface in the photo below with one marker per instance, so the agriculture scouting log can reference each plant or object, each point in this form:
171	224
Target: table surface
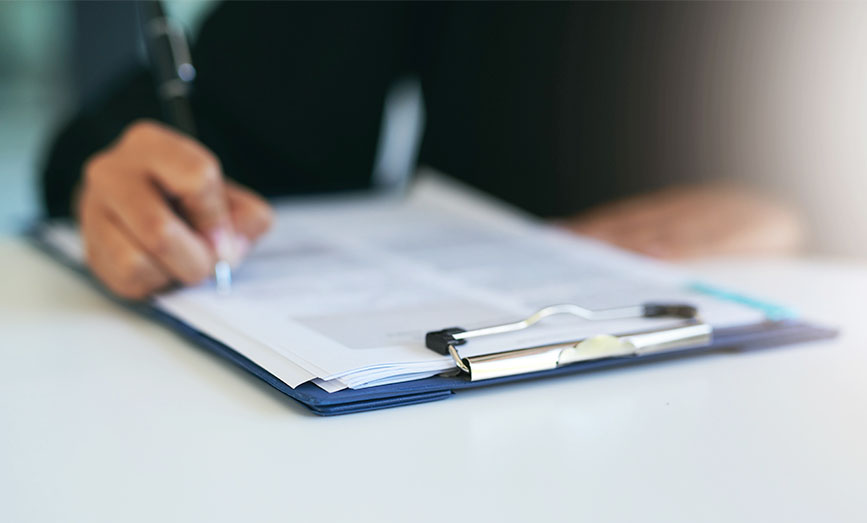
105	416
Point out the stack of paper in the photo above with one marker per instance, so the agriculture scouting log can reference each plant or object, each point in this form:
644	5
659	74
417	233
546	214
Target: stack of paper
341	291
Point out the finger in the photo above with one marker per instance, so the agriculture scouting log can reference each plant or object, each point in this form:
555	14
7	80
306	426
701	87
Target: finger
187	171
702	226
116	259
251	214
648	240
764	230
626	231
615	219
659	224
147	218
731	224
673	241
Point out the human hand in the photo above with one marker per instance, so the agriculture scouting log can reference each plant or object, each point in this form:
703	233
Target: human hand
694	221
155	209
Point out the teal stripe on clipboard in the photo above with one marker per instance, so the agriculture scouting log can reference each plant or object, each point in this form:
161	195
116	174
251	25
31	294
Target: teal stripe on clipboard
773	311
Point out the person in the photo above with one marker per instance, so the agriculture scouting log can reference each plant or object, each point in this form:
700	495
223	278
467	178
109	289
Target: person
289	97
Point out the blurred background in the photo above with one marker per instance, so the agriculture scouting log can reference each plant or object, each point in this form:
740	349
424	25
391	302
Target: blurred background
54	55
774	92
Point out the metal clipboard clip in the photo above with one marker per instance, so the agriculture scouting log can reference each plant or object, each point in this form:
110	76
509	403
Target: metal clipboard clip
692	332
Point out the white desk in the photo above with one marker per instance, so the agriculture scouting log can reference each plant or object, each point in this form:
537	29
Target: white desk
105	416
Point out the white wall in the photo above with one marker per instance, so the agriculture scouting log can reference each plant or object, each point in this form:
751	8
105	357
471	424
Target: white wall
790	80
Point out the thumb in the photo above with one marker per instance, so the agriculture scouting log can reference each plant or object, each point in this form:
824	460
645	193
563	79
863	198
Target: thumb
251	214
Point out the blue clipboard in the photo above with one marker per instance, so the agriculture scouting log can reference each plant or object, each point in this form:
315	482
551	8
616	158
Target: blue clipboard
771	333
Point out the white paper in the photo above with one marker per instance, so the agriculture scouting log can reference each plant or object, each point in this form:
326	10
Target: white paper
347	288
342	290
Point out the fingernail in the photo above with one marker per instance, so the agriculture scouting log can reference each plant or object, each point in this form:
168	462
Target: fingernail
224	245
656	250
242	247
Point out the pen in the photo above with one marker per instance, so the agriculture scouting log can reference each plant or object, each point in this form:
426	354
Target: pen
173	70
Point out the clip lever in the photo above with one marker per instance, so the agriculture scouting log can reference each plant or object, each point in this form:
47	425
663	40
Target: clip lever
439	341
692	333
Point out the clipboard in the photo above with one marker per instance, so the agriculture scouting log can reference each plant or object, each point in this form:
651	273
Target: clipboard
688	338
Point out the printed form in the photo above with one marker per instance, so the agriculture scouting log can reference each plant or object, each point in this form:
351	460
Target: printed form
342	290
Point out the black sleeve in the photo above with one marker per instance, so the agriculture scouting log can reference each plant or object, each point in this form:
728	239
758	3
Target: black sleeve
88	132
288	95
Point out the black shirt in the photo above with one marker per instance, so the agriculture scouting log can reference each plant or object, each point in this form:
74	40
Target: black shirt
527	101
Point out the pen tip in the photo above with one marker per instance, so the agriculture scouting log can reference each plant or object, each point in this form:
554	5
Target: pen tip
223	276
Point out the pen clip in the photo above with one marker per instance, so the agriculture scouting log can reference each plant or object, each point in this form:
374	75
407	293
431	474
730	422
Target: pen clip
178	72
